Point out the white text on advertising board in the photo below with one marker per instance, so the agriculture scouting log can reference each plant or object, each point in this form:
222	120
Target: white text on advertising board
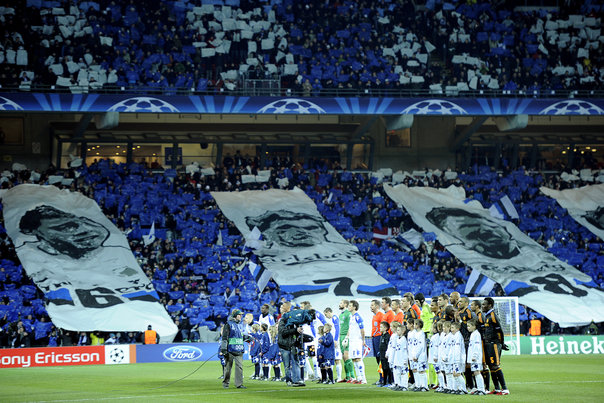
182	353
583	345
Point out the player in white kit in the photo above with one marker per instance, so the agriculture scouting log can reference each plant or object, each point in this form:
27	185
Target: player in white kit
356	342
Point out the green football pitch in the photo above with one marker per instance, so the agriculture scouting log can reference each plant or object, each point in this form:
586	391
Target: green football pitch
529	378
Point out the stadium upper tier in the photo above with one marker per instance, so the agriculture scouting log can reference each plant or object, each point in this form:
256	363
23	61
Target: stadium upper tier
307	48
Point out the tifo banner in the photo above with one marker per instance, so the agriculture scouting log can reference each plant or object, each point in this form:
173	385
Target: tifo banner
503	253
81	262
554	345
305	254
51	356
585	205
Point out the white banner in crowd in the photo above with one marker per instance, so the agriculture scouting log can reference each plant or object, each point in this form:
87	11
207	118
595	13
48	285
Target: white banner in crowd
503	253
81	262
585	205
306	255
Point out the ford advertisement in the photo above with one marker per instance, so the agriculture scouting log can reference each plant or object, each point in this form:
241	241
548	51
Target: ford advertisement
177	352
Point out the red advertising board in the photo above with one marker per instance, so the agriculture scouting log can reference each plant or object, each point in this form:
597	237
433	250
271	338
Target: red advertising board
51	356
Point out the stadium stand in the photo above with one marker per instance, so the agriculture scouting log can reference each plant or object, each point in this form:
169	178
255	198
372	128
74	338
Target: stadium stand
309	47
197	276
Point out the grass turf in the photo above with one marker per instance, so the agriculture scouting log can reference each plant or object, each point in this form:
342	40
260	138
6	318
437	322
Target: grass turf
529	378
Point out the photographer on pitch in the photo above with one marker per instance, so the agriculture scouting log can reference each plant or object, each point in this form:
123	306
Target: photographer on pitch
231	347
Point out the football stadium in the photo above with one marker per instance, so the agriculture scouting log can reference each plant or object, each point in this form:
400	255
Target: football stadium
279	200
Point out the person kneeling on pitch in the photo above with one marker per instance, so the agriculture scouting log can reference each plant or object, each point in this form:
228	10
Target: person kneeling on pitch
232	348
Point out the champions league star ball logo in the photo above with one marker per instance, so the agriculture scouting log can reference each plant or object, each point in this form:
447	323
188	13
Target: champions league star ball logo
8	105
434	107
572	107
116	355
143	104
292	105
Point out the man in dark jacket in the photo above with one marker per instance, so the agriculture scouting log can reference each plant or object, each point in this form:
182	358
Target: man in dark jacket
287	337
232	348
384	341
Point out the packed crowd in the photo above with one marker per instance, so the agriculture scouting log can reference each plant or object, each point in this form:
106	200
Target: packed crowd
196	261
310	46
533	51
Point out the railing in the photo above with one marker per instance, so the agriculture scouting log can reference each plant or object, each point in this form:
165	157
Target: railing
263	88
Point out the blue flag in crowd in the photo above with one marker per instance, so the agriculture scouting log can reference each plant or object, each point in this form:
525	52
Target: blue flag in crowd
504	209
150	237
479	284
260	273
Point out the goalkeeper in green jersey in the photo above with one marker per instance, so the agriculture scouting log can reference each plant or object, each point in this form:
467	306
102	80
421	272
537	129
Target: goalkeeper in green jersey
344	325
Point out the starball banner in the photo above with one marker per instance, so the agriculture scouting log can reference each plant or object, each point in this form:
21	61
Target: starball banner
585	205
500	251
276	105
305	254
82	263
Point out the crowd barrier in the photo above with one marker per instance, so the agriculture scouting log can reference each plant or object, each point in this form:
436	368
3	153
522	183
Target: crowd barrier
184	352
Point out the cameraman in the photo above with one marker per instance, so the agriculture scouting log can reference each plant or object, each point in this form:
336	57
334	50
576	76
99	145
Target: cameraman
287	338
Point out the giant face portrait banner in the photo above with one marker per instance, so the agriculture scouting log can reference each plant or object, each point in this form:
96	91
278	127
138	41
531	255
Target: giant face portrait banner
82	263
500	251
585	205
305	254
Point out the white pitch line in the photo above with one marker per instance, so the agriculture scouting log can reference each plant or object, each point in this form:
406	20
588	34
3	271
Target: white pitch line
545	382
243	392
229	392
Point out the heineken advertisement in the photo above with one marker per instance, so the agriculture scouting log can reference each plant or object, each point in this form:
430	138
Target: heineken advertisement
554	345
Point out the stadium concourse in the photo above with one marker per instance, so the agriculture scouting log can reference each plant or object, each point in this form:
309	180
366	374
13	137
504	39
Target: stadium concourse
311	47
195	258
